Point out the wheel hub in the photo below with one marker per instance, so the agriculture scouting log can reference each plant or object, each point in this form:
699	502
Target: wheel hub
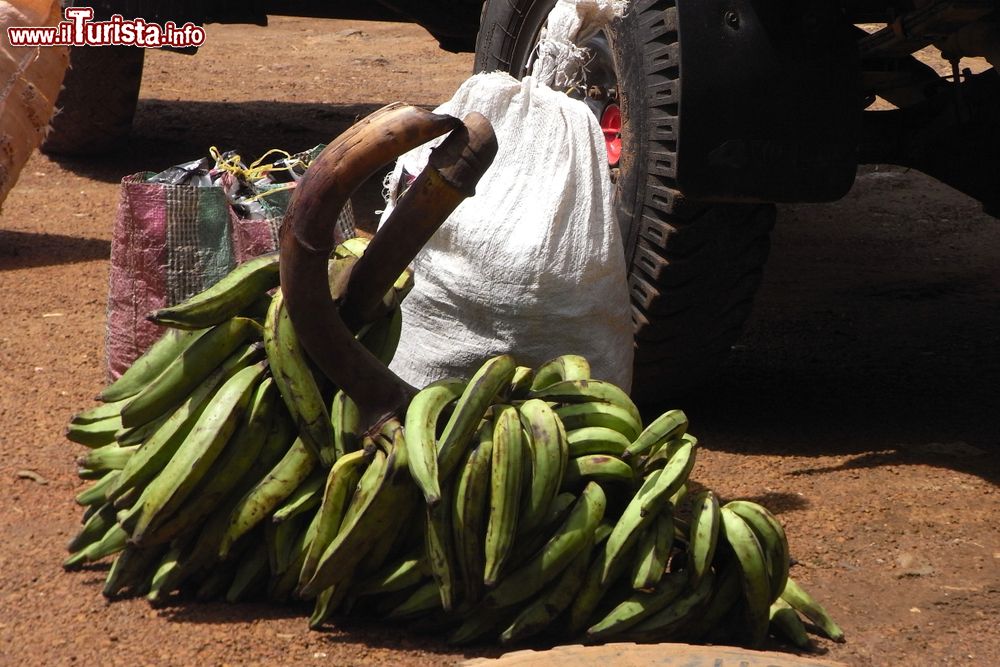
611	126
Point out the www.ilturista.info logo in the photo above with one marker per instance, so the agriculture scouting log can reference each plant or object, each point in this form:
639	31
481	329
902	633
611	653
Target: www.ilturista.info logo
79	29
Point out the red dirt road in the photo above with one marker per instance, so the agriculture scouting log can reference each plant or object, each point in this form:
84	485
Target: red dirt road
862	404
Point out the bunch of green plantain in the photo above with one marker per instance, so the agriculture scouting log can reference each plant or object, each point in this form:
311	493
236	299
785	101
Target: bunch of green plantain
517	502
214	437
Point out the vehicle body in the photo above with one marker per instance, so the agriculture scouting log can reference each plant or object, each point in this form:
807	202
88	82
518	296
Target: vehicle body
718	108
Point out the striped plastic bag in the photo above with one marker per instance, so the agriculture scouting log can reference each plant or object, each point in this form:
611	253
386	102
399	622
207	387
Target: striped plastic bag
178	232
169	242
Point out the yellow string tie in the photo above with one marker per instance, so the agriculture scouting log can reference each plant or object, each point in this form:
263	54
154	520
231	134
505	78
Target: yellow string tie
257	169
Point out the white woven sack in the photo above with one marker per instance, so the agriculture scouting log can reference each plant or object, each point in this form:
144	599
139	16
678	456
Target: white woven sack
533	264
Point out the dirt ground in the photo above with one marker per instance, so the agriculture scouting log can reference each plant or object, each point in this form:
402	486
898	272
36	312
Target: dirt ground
862	404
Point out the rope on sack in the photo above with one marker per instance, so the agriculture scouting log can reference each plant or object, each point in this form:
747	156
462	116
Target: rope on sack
258	169
559	62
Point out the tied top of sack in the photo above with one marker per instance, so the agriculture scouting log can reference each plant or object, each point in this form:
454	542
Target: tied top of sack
559	62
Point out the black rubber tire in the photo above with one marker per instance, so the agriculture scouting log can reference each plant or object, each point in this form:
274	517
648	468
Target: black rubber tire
97	102
693	269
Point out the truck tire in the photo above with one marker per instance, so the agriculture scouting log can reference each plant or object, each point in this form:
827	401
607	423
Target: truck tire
693	268
97	102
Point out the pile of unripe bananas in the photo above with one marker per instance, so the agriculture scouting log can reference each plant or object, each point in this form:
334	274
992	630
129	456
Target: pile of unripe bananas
262	448
518	501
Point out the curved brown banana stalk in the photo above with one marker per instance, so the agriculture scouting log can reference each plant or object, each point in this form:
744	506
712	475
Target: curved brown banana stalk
451	175
307	239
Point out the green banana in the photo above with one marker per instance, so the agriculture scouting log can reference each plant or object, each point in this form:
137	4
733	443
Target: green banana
250	573
147	367
188	370
214	585
596	440
352	247
95	527
704	536
130	571
753	566
397	533
296	383
194	457
346	422
595	586
541	612
673	476
421	424
639	606
654	552
94	434
566	544
549	454
683	611
99	413
494	375
97	493
506	472
364	525
600	467
107	458
235	467
629	528
326	604
261	500
588	391
786	622
409	571
440	545
164	574
341	483
671	424
113	541
306	497
662	453
281	540
679	496
226	299
382	337
565	367
287	555
580	415
772	538
528	543
140	434
803	603
520	384
470	513
424	599
725	600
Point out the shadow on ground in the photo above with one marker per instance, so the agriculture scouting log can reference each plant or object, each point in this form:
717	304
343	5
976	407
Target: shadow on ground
873	335
25	250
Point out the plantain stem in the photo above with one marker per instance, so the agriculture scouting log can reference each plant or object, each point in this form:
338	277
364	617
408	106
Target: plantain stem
451	175
307	239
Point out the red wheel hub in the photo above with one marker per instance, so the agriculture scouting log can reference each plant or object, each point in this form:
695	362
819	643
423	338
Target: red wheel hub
611	125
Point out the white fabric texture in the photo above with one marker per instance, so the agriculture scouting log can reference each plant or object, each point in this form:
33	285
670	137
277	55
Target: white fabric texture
559	61
533	264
